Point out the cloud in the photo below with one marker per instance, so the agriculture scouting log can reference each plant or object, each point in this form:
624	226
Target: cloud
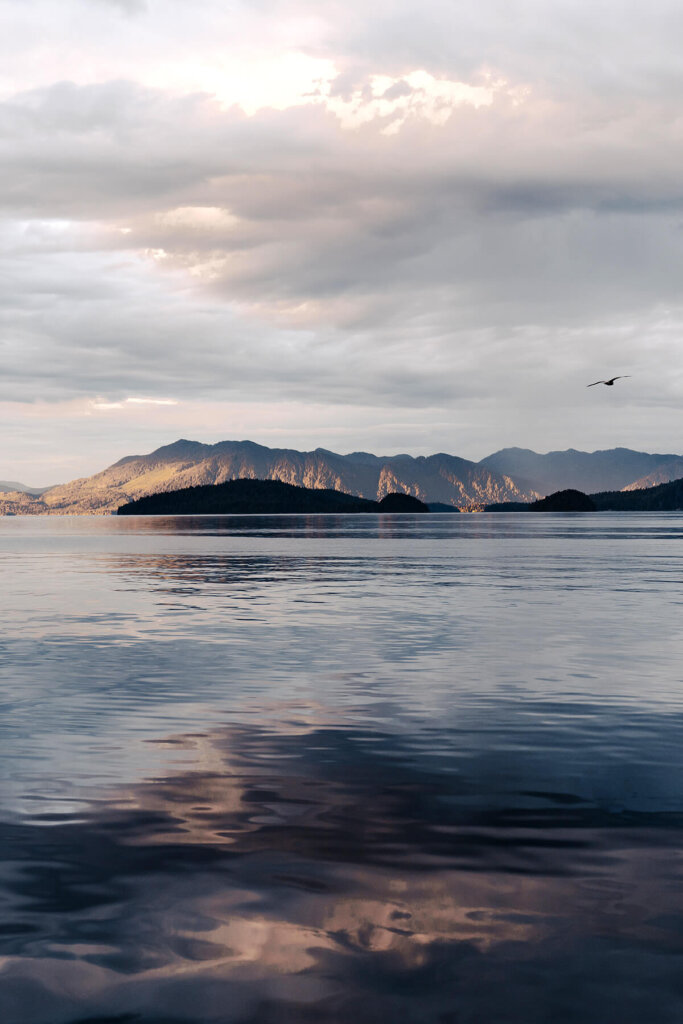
459	208
100	403
300	215
128	6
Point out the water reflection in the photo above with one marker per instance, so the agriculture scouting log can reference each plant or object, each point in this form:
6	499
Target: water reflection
437	526
321	769
310	872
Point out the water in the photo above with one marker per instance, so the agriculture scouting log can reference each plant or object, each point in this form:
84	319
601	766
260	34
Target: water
332	769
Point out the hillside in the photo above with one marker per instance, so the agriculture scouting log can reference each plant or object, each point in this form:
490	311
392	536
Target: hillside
263	497
19	503
670	469
443	478
666	497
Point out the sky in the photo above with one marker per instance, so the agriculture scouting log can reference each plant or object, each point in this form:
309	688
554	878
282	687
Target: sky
410	226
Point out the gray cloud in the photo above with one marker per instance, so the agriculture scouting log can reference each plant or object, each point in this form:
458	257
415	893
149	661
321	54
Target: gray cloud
309	212
156	241
128	6
615	48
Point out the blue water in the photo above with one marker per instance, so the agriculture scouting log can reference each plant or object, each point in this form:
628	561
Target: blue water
342	768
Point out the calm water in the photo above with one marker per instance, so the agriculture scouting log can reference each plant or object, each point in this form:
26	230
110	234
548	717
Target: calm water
342	769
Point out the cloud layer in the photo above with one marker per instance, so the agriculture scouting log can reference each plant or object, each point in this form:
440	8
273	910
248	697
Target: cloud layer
466	215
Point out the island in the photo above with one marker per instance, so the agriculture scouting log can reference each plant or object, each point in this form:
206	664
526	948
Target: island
666	497
263	497
568	500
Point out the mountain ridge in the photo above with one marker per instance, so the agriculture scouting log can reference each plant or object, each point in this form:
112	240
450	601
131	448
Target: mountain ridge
14	487
510	474
183	463
601	470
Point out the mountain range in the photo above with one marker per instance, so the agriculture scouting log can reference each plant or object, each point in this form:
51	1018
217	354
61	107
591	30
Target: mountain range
616	469
512	474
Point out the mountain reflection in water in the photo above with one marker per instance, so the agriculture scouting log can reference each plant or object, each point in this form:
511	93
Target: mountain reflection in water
396	776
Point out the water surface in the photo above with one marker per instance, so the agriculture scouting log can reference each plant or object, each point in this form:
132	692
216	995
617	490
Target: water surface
334	768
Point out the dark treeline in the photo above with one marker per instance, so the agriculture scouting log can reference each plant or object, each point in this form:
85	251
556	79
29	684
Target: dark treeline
262	497
666	497
570	500
661	498
273	497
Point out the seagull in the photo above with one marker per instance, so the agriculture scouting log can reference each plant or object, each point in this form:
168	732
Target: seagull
609	382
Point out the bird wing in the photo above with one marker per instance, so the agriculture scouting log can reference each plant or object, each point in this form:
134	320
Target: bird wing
595	382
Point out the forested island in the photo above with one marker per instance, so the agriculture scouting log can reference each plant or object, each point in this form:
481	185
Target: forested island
569	500
662	498
246	496
263	497
667	497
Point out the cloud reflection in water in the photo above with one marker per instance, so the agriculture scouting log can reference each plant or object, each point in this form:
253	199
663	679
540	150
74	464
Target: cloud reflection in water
341	769
316	873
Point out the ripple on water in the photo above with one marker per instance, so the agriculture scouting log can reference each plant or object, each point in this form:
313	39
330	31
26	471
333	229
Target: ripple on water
330	768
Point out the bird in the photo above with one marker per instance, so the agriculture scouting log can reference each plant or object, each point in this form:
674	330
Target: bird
610	382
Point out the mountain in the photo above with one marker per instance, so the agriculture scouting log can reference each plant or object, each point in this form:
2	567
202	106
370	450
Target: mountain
512	474
670	469
440	478
614	469
263	497
11	486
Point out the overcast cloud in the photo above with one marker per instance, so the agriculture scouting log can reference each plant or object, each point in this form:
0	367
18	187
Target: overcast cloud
415	227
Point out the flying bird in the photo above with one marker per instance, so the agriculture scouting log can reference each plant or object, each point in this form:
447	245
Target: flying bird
609	382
